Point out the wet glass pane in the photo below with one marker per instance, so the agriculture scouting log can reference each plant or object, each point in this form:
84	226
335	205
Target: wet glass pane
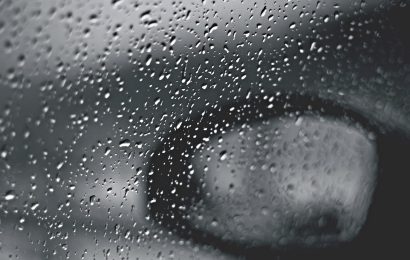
204	129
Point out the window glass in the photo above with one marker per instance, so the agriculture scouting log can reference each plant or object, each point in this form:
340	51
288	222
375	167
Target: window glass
204	129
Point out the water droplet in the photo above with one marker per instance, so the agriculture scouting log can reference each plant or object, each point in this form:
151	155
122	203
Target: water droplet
223	155
10	195
34	205
60	165
125	143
